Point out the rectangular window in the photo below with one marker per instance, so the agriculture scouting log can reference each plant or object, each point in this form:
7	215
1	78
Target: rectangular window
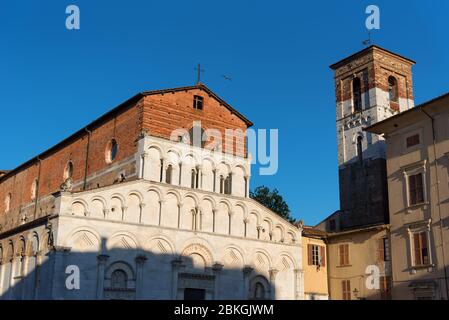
346	289
421	252
413	141
385	288
344	254
198	102
416	189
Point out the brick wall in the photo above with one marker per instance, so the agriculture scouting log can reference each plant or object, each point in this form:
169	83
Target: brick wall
124	128
166	112
159	114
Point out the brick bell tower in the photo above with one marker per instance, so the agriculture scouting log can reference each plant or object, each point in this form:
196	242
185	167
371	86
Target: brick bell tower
370	86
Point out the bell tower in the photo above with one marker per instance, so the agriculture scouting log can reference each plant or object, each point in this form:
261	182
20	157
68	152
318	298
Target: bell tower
370	86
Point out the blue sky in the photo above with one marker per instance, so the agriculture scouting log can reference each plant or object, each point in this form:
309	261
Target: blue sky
53	81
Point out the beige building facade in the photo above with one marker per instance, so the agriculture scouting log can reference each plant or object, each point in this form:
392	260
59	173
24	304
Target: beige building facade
418	184
356	257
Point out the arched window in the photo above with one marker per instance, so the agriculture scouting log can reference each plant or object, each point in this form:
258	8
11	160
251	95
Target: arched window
259	291
227	185
357	94
68	171
197	136
8	202
119	279
359	148
168	174
111	151
393	89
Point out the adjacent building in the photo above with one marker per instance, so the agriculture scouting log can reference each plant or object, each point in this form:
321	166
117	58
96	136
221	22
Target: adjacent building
314	257
418	184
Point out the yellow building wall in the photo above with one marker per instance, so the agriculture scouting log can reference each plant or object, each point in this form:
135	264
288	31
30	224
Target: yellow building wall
315	279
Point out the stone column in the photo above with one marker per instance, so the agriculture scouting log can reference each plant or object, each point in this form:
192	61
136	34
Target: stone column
162	170
101	259
124	208
247	186
141	206
273	273
161	202
140	261
246	274
36	280
231	187
230	214
214	187
214	215
145	165
179	214
299	284
180	173
176	265
217	268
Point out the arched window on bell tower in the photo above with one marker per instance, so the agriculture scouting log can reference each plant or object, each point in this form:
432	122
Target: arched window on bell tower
393	89
357	94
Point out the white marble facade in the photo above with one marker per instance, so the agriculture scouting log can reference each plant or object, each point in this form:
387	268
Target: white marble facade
158	238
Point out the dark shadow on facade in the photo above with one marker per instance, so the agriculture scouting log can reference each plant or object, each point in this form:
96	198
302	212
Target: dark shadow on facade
128	274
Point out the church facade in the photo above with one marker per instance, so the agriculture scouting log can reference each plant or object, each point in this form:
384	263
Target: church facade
130	207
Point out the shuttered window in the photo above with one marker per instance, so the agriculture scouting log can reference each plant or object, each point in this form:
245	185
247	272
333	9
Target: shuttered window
344	254
383	251
346	289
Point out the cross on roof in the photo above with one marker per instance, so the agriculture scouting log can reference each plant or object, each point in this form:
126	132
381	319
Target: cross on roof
199	70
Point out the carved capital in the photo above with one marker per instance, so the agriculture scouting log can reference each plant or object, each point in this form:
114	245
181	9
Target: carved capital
217	267
102	258
140	259
273	273
247	270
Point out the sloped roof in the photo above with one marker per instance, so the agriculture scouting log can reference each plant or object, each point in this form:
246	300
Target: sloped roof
364	51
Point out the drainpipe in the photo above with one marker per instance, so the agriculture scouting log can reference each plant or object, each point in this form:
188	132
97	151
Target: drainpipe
89	133
36	199
432	120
